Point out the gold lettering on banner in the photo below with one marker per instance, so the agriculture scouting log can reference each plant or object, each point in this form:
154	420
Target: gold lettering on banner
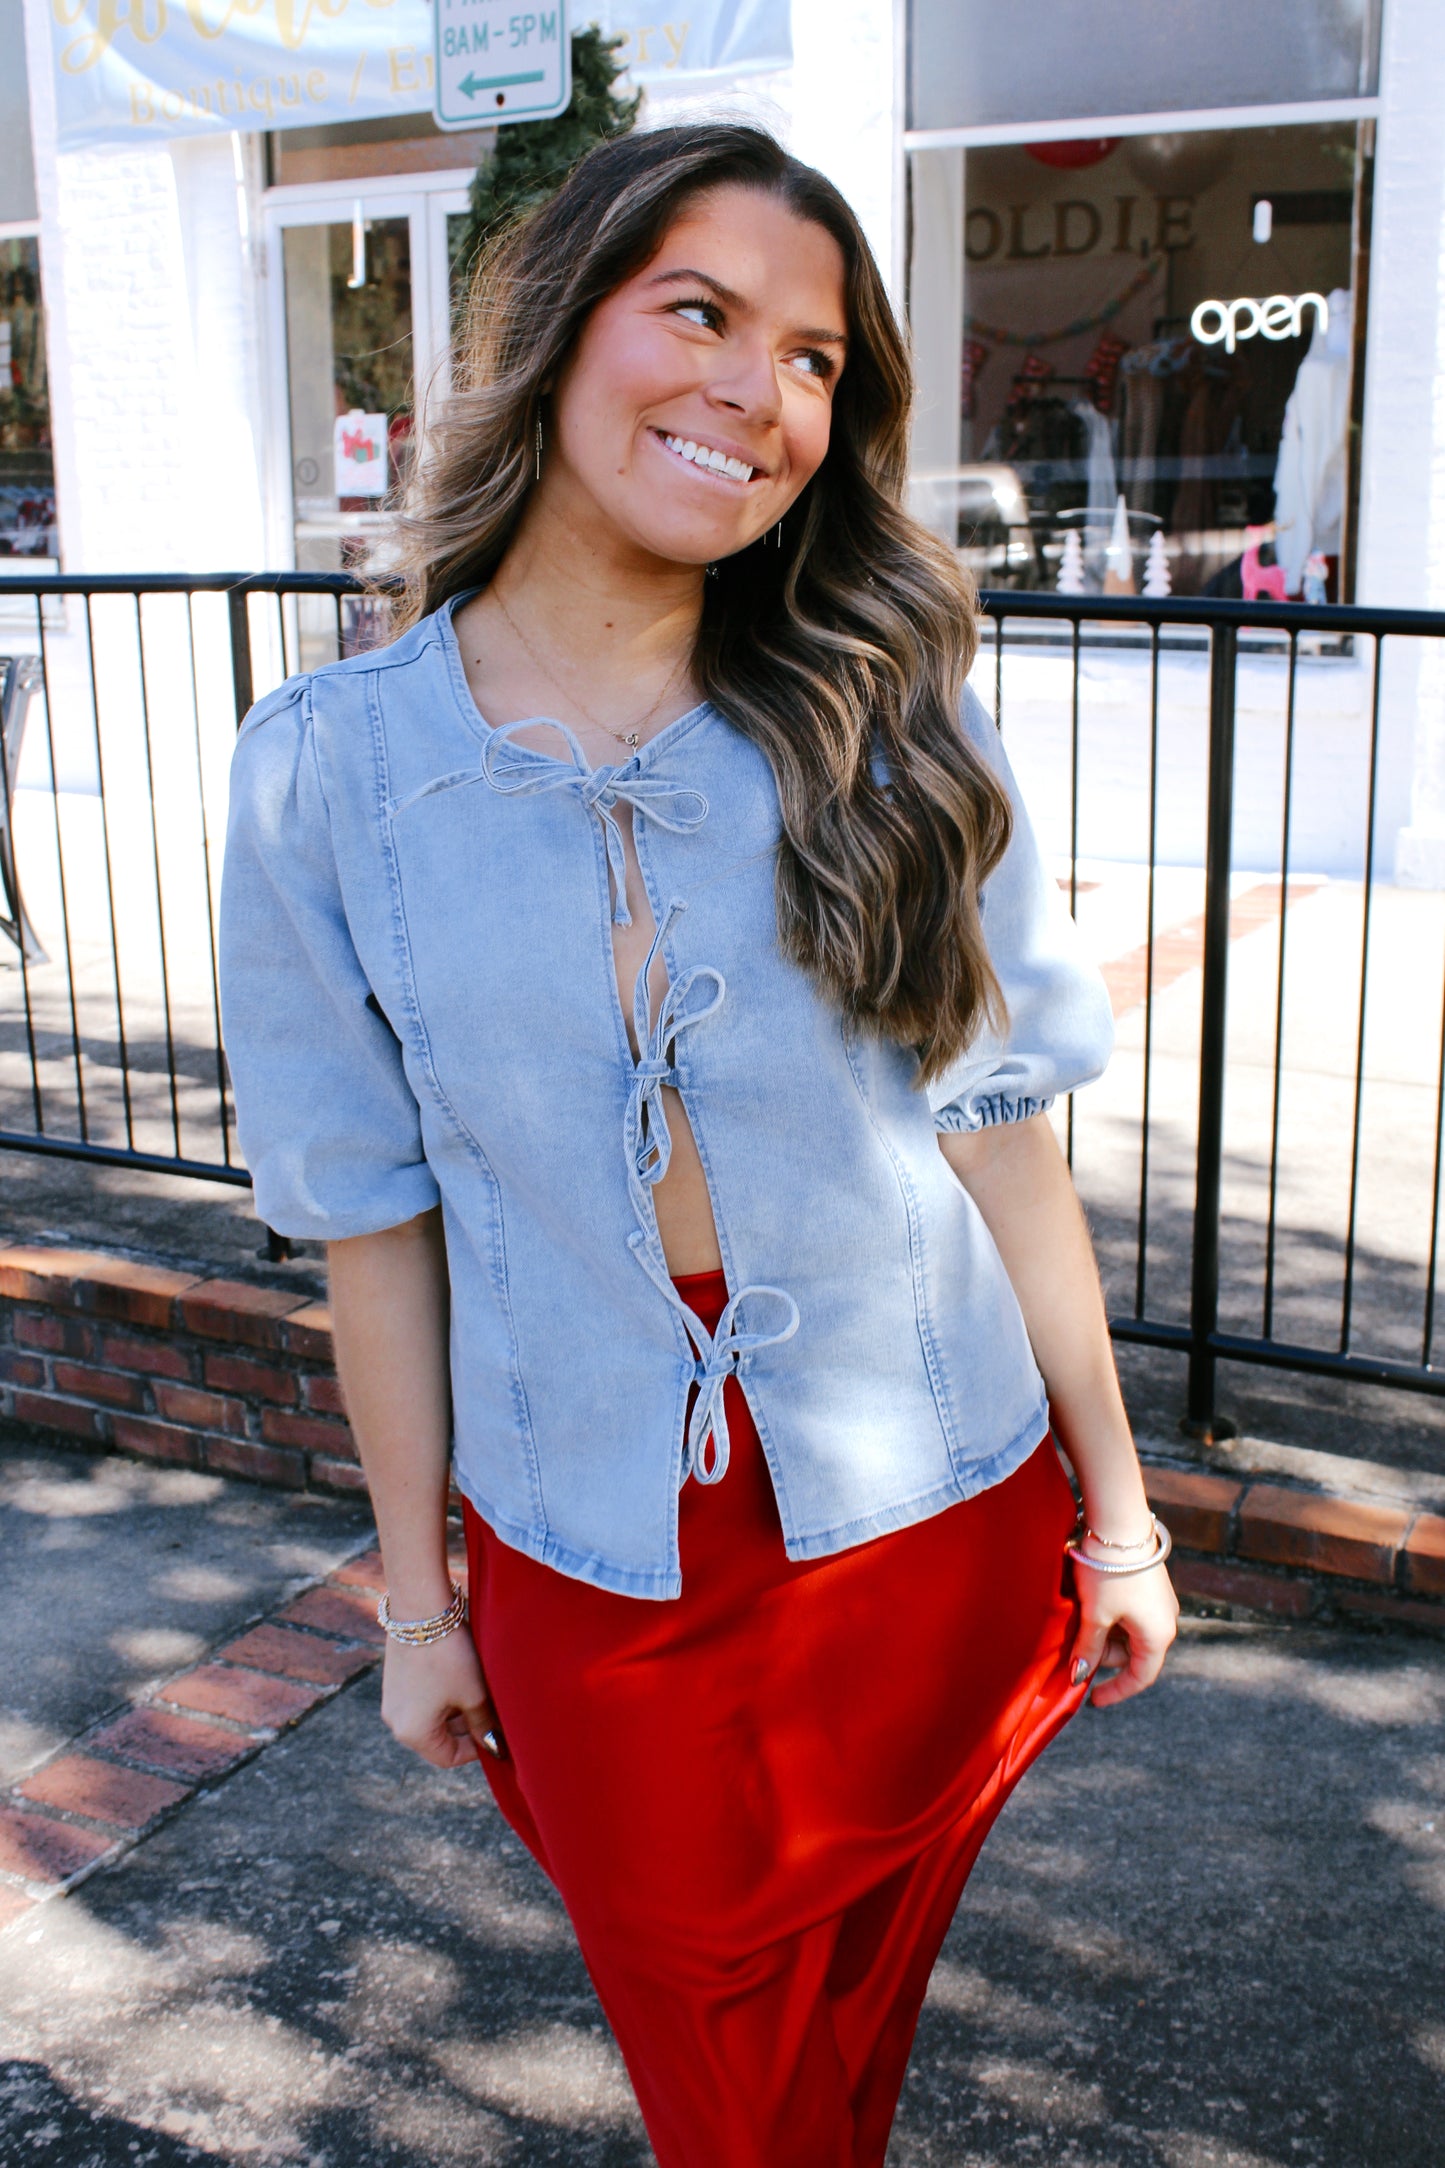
676	36
226	11
980	251
147	21
1017	212
1093	226
1175	216
401	68
111	17
643	33
1073	226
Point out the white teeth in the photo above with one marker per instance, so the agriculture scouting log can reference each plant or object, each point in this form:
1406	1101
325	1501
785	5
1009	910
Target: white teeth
702	455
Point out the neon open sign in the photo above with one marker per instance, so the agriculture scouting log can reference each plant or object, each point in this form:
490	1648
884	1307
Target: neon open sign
1279	316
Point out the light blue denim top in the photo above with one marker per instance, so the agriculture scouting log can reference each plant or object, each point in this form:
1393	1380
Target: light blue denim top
421	1005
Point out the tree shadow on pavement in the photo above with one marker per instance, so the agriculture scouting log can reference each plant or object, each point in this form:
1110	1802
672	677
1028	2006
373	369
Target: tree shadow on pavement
41	2122
1206	1934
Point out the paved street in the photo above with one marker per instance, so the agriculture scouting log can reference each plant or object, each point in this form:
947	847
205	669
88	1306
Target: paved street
1206	1934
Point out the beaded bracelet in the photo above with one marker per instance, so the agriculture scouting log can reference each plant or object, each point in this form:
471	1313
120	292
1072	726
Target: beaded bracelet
420	1632
1163	1545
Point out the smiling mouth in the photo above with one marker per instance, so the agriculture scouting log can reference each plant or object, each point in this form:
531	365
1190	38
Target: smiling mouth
719	465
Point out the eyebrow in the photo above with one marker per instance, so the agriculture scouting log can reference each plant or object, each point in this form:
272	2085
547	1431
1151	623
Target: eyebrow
686	276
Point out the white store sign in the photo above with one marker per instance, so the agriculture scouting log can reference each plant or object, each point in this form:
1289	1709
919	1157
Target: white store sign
496	61
1277	316
135	71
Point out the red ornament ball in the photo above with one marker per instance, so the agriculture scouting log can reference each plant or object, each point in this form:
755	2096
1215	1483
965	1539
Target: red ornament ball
1072	157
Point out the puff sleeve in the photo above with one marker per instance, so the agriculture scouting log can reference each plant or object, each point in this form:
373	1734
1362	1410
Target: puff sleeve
327	1121
1060	1029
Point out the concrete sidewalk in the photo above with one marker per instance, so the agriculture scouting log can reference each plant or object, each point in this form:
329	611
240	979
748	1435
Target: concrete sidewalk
1207	1933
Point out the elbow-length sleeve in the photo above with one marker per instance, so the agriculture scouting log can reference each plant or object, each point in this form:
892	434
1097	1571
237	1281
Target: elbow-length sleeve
1060	1028
327	1122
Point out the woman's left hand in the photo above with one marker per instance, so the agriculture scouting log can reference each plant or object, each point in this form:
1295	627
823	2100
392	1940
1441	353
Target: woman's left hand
1127	1623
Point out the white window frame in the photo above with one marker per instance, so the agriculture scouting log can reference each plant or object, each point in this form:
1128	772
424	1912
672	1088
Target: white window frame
1295	115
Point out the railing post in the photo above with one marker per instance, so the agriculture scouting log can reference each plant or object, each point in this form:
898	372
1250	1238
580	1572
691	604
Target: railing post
241	680
1202	1421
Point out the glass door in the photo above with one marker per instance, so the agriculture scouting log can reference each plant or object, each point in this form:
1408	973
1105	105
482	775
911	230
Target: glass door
362	321
350	377
360	331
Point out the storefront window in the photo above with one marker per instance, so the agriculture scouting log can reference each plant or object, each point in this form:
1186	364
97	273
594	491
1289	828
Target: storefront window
1136	357
27	467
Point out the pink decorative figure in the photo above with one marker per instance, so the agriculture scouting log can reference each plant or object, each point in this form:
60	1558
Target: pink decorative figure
1256	579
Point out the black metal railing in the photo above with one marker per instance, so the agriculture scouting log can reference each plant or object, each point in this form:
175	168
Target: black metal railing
1358	637
122	695
114	796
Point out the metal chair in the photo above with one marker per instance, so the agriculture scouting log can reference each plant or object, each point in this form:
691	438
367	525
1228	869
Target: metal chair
20	678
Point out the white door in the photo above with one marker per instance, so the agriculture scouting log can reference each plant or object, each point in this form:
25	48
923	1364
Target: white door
360	327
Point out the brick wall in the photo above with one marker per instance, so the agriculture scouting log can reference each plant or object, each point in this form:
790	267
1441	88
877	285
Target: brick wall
102	1352
214	1374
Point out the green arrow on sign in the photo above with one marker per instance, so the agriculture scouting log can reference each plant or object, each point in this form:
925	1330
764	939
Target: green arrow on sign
469	86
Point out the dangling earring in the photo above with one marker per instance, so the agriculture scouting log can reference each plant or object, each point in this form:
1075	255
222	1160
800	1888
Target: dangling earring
712	572
538	476
778	536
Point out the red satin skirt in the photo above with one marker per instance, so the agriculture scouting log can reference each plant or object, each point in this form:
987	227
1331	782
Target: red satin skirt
760	1803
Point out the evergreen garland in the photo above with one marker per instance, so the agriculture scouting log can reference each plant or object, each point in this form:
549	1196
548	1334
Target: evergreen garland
531	159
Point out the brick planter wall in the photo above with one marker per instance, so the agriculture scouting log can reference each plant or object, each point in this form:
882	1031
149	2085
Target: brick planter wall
102	1352
215	1374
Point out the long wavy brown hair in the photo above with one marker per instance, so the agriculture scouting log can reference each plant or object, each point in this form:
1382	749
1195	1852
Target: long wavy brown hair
842	653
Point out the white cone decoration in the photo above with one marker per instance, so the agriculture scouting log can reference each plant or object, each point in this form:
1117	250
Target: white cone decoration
1071	565
1119	556
1156	566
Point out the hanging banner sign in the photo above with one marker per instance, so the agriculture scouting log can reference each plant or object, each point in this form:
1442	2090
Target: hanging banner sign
493	61
142	71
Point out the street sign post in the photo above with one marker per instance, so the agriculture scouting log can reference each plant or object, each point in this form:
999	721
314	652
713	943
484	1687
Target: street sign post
498	60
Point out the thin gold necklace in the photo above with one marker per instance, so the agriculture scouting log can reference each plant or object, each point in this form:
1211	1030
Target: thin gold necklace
633	737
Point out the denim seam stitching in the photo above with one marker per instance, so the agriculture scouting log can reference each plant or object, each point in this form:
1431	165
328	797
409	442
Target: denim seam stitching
942	1402
422	1038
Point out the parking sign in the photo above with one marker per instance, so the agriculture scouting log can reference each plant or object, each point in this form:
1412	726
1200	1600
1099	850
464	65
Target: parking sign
497	61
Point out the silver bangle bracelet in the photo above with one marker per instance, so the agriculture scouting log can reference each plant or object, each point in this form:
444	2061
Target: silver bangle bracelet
421	1632
1163	1545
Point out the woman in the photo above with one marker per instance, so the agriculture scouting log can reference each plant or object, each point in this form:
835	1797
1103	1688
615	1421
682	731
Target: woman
649	989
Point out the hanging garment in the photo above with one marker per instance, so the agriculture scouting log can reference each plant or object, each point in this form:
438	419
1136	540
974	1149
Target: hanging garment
1209	426
1139	430
760	1803
1309	476
1102	369
1103	487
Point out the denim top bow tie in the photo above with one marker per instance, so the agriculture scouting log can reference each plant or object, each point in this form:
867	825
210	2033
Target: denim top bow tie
511	768
648	1143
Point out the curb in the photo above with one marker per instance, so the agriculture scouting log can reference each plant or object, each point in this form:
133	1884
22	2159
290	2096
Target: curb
133	1769
108	1353
1281	1550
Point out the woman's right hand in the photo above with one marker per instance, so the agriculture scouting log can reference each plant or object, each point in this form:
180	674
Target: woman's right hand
434	1700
